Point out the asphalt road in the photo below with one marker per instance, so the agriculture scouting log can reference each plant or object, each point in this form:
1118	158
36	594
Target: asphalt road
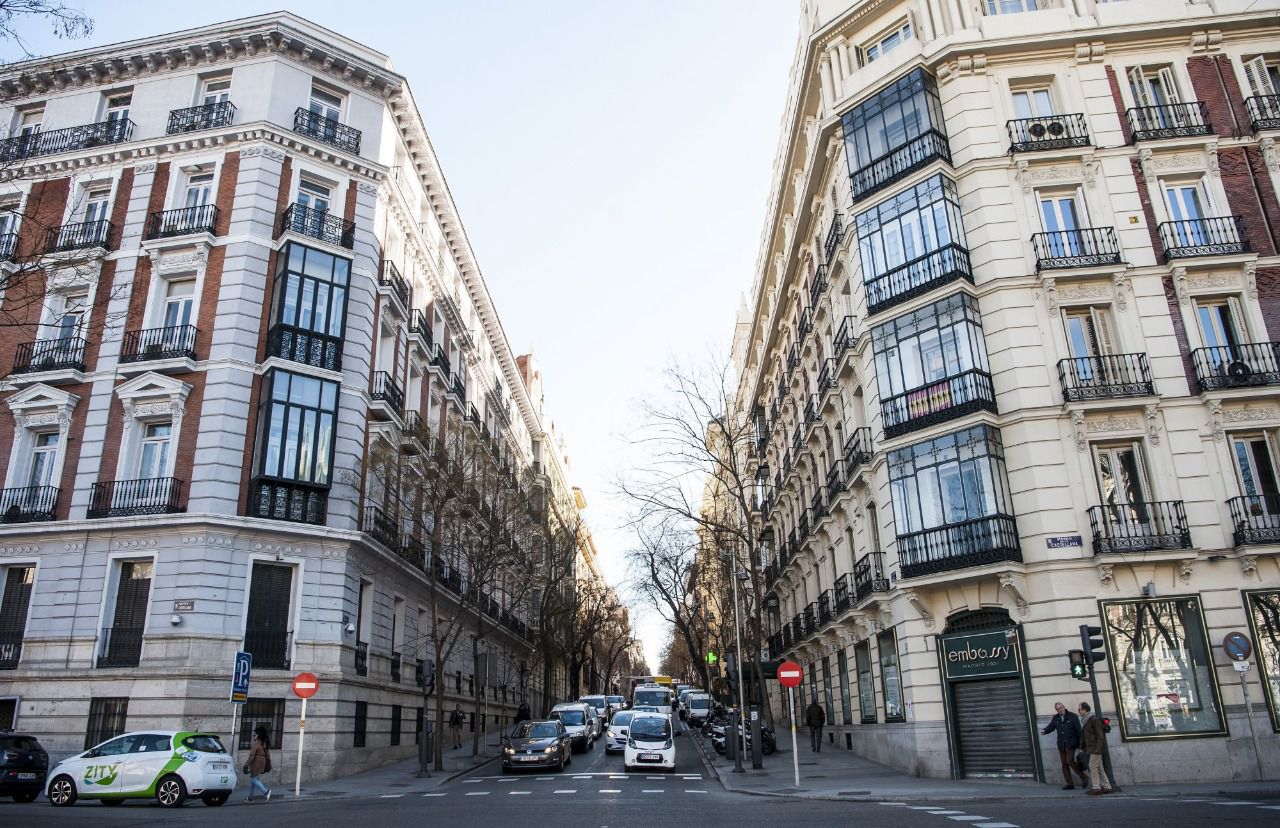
595	793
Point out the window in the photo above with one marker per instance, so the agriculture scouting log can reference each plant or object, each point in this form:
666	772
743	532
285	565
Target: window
1122	480
995	7
1062	215
179	295
95	205
887	43
118	108
153	460
1153	86
846	703
827	695
1259	483
897	130
1187	202
44	457
29	123
310	307
106	720
10	219
267	622
268	713
395	724
1161	668
931	365
314	196
1032	102
1263	607
361	724
912	243
325	104
121	644
216	90
14	605
866	690
8	712
199	189
297	436
954	483
890	677
1088	336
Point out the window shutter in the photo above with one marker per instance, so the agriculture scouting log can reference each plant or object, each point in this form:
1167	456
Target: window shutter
1101	331
1255	75
1169	84
1138	85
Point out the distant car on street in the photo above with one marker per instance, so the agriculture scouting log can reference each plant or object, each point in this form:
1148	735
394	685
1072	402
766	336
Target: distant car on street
619	727
601	707
537	745
617	702
697	708
578	719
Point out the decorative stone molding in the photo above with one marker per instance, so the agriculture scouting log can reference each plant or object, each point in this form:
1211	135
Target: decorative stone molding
1185	569
208	540
43	405
1153	424
145	167
1029	176
1211	156
1206	41
1121	279
167	263
918	604
1092	166
15	551
1013	584
1270	154
1112	424
1144	161
152	395
1051	295
1251	413
1106	575
367	188
135	543
1251	278
75	547
1084	292
1077	421
264	151
1180	284
1090	52
1215	420
1249	565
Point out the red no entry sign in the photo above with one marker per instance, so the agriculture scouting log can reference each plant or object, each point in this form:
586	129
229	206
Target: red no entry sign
789	674
305	685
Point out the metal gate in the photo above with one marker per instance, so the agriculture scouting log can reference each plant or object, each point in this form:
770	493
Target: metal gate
992	730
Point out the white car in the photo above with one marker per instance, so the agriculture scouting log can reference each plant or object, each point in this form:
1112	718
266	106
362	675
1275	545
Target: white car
650	743
619	726
577	719
167	765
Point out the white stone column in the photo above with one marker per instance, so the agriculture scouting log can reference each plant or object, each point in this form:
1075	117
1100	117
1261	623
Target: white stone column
924	21
965	20
828	84
847	67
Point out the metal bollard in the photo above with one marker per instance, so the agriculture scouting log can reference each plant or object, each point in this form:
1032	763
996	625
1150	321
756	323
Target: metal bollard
757	740
425	748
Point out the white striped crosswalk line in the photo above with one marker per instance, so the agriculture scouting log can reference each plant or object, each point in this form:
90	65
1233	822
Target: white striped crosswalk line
690	790
571	791
968	818
478	793
518	793
652	790
610	790
434	794
994	825
391	796
946	813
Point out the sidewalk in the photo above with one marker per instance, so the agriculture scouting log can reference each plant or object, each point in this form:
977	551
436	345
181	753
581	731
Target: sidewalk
394	780
843	775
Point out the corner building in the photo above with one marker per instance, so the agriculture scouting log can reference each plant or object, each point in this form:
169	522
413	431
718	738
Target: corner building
240	276
1011	360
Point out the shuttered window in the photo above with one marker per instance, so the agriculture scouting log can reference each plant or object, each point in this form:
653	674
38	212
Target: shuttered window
13	614
107	718
361	724
268	713
266	634
991	725
122	641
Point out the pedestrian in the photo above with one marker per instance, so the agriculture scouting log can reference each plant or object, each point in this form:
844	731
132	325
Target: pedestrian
259	763
1067	725
455	725
815	717
1094	735
523	714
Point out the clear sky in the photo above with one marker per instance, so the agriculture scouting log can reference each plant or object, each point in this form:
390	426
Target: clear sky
611	163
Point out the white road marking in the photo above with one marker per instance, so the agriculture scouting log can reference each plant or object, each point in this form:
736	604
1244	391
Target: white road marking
926	808
575	790
477	781
507	779
687	790
1237	803
968	818
1261	807
655	777
945	813
518	793
545	778
617	777
437	794
478	793
391	796
652	790
610	790
894	804
995	825
691	777
583	776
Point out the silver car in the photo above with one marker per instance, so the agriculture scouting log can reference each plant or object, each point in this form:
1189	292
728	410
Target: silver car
615	740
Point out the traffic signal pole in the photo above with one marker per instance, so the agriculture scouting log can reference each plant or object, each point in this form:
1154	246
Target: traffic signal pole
1092	657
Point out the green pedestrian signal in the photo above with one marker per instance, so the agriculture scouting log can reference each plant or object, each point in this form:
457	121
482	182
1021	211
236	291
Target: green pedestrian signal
1079	670
711	657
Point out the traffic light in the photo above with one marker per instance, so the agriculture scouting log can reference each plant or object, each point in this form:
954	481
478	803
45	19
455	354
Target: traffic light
1079	669
1106	725
1093	647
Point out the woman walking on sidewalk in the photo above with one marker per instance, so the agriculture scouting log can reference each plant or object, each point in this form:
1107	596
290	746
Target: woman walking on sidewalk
259	763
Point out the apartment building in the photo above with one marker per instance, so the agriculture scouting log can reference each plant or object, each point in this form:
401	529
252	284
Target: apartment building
239	304
1010	357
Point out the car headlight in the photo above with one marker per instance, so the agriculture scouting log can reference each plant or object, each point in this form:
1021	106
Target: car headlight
508	750
612	735
550	749
631	743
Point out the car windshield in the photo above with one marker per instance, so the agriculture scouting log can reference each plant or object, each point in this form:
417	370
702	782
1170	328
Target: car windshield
571	717
650	728
699	702
204	743
657	698
597	702
536	730
623	718
615	699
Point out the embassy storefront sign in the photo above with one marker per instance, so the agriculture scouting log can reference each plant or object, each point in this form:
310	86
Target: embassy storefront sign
989	726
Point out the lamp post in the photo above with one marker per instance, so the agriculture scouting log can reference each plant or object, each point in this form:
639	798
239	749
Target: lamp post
737	632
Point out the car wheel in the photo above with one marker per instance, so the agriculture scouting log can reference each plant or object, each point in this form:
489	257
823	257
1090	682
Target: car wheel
28	796
171	792
214	800
560	763
62	791
111	802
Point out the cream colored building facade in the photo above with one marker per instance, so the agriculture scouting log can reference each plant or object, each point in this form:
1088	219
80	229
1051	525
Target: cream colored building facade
1011	354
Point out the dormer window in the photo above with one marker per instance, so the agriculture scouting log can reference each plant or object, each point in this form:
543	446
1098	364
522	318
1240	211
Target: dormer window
216	90
118	108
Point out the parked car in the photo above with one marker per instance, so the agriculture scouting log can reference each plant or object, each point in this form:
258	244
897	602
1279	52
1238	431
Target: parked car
600	705
577	718
617	702
681	695
698	708
537	744
24	766
168	766
650	743
616	736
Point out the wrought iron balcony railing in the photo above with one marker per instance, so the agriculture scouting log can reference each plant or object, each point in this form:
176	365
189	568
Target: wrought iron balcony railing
126	498
1217	236
413	552
1237	366
318	224
835	482
326	130
269	647
1048	132
182	221
1139	527
1256	519
938	402
1264	111
812	408
802	526
844	598
380	526
826	603
8	246
386	389
900	162
120	647
195	118
917	277
819	285
307	347
1105	377
868	577
826	377
857	453
284	500
775	645
392	280
788	636
817	507
64	354
844	336
810	617
10	650
82	235
362	658
1082	247
835	234
1174	120
85	136
28	504
806	323
977	542
175	342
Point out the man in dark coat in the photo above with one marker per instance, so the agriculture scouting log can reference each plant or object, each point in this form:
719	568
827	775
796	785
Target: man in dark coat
1094	735
1067	725
815	717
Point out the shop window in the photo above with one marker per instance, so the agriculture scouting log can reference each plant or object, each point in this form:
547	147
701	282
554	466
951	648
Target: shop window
1264	621
890	676
1162	668
846	702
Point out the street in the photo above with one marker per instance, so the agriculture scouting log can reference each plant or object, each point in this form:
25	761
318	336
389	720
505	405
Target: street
596	793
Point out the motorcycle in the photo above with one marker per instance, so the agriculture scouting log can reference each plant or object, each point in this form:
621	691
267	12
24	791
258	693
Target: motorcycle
768	742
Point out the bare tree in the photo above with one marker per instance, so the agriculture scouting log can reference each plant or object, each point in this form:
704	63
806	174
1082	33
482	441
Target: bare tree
662	573
67	23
